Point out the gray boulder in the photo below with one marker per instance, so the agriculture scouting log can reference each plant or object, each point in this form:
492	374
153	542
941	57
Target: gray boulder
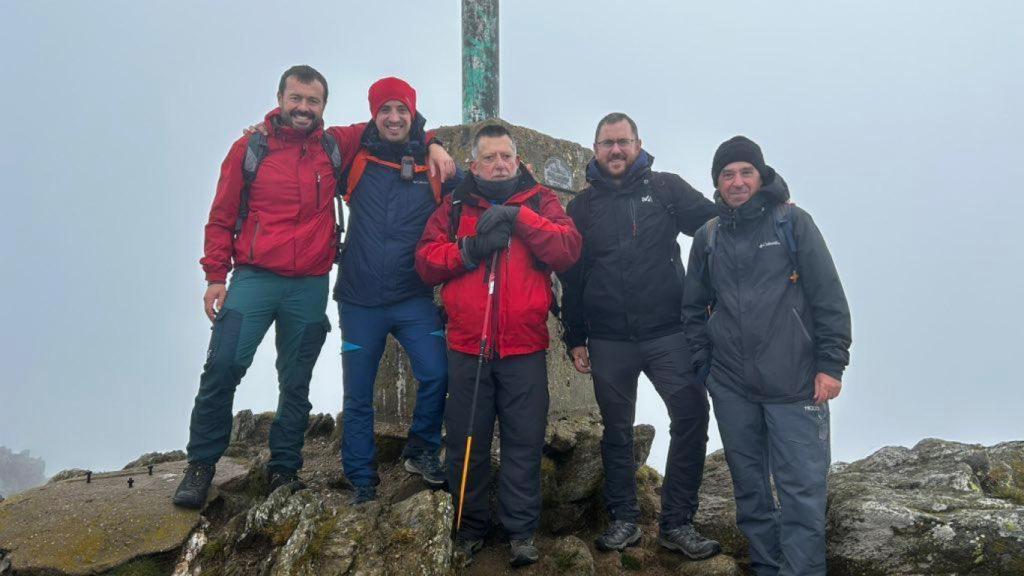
937	508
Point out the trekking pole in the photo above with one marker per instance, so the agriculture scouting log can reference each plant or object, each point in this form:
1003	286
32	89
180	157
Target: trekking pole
476	382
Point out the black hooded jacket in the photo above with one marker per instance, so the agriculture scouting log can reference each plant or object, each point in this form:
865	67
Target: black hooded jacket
767	336
628	283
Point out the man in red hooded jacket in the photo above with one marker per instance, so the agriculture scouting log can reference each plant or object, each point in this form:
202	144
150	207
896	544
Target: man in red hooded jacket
502	210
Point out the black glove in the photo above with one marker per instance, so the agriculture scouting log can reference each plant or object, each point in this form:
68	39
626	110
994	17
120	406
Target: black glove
476	248
498	214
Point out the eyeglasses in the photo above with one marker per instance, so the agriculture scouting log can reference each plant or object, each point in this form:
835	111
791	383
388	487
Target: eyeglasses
621	142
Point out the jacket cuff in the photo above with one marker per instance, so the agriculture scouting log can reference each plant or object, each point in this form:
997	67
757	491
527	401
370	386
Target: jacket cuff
572	340
467	261
216	277
833	369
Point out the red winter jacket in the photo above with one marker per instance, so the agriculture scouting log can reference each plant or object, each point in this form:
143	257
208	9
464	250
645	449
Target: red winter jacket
290	227
522	289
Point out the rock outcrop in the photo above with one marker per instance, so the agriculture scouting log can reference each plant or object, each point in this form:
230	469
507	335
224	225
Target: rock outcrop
938	508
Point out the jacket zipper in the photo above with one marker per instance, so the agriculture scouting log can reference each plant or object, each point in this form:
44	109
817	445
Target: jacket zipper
632	213
317	190
252	241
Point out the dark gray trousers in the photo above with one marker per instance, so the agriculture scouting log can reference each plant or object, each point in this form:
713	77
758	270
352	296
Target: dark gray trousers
616	368
515	391
790	443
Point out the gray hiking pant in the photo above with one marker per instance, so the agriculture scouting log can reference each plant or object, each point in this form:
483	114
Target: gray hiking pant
790	443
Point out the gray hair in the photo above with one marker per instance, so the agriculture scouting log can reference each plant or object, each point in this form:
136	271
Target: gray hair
491	131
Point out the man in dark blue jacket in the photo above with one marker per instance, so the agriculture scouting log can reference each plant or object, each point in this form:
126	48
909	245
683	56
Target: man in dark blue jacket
621	310
390	197
765	313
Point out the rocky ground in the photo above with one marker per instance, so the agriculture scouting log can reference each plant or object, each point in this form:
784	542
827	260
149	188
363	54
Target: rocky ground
938	508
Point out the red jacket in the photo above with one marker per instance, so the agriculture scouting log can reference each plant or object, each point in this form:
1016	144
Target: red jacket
522	288
290	227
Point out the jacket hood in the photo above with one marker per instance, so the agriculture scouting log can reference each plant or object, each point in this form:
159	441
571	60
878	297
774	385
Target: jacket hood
773	191
415	147
641	166
276	127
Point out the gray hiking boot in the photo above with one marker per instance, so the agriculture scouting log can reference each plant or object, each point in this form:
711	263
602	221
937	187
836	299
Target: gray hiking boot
687	540
363	494
194	487
428	466
468	547
277	478
619	535
523	552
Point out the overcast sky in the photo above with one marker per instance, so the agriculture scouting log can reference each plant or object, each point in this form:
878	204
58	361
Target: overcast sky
896	124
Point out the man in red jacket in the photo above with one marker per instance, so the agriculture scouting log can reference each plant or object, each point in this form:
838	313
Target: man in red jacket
280	241
502	209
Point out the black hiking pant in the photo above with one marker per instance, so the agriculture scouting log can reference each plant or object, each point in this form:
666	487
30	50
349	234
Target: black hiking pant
616	368
515	391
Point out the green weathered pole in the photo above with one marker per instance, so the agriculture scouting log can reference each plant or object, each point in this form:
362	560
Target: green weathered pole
479	60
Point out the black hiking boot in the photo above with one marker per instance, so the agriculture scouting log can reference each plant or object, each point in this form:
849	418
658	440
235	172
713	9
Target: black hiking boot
687	540
468	547
523	552
362	495
194	487
428	466
277	478
619	535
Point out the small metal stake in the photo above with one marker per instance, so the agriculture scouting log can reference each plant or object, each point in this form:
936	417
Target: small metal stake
131	482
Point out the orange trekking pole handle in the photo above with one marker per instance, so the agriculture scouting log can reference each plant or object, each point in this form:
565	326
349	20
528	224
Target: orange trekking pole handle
476	383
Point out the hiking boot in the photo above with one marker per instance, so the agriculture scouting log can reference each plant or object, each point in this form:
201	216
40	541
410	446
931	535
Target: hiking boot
687	540
363	494
277	478
428	466
468	546
523	552
619	535
194	487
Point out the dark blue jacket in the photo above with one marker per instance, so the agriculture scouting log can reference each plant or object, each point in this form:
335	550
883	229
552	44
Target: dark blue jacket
386	219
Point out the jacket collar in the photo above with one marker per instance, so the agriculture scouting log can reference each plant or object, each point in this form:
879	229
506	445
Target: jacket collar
415	147
288	134
468	192
640	169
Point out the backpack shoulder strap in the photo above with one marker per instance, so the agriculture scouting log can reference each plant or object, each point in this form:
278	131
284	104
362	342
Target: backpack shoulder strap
782	214
255	151
660	189
454	218
358	167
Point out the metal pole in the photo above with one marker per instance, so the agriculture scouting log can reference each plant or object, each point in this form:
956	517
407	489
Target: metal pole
479	60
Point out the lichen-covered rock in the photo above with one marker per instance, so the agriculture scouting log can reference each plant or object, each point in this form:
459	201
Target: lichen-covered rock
716	515
156	458
937	508
67	475
71	527
720	565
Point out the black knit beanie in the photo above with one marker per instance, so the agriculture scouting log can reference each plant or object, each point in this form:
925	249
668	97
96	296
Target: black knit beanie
737	149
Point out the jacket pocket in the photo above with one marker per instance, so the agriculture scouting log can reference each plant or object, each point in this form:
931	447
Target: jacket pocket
785	360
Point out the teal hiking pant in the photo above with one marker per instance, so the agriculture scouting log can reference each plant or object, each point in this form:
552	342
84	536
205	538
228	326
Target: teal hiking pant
256	299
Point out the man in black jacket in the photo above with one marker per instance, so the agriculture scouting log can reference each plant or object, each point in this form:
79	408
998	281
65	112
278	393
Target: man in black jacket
621	311
776	343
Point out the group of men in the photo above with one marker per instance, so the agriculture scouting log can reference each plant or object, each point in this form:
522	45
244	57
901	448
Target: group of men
760	320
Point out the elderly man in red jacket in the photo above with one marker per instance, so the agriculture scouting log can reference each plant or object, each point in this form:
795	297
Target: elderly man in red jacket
499	210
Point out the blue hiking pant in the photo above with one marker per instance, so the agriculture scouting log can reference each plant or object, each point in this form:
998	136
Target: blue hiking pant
790	443
256	299
416	324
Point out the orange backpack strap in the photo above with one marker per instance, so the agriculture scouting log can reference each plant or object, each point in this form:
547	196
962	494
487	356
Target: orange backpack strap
355	173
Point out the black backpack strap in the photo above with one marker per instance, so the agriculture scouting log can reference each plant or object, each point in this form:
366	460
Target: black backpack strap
710	241
782	214
660	190
333	152
454	218
255	151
